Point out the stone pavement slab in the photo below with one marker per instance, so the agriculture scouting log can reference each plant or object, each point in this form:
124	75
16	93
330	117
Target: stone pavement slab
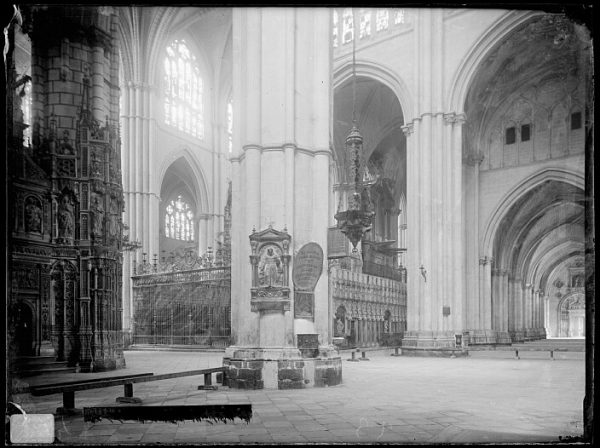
387	400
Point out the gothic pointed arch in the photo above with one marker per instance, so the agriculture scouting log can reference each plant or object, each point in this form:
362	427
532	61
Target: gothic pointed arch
463	78
184	200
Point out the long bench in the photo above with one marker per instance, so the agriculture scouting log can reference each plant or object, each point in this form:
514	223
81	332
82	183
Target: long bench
68	389
540	349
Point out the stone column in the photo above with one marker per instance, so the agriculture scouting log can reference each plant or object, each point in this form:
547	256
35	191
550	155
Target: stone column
527	308
139	181
473	279
434	202
282	92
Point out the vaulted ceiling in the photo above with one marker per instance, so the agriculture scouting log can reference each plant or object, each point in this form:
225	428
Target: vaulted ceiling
541	231
550	49
380	118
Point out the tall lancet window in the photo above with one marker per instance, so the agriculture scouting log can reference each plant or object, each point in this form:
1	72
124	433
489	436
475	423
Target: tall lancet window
183	90
230	126
348	26
26	109
179	221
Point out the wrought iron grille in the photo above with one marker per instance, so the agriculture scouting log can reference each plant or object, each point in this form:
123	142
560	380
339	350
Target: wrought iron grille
188	307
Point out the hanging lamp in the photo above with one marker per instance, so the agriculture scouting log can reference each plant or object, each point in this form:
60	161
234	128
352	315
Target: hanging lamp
357	219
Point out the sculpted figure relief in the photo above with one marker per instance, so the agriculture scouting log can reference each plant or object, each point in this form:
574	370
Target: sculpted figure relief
65	218
270	267
33	216
98	216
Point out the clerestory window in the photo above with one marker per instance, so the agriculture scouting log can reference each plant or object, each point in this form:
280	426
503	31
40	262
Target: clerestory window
230	126
183	90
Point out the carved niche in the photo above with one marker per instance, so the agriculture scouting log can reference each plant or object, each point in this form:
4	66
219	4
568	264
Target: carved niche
270	261
33	215
66	218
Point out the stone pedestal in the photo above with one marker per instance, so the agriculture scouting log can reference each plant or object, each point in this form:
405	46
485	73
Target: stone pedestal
280	368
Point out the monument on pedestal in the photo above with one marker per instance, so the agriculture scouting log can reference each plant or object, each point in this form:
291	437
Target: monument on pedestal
278	362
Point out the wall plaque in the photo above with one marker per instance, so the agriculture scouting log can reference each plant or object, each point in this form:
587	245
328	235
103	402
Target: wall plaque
308	266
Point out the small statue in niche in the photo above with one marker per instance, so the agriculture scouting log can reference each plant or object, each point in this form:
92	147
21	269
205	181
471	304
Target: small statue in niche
270	267
577	281
65	146
98	216
113	226
95	165
33	216
65	218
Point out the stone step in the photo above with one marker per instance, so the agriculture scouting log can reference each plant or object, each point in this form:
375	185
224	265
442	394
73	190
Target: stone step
35	360
174	348
45	371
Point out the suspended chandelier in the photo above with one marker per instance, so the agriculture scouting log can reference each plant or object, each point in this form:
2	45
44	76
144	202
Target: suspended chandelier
356	221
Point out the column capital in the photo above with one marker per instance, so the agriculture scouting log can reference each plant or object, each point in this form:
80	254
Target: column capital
408	129
453	117
473	159
139	85
485	260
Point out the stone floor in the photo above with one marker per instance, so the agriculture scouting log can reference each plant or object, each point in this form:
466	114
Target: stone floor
389	399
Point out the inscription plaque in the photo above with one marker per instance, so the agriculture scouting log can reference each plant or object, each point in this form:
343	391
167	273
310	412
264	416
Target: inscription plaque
308	266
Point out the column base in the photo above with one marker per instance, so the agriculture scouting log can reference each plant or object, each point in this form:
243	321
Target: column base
517	335
483	337
431	343
531	334
503	337
47	349
281	368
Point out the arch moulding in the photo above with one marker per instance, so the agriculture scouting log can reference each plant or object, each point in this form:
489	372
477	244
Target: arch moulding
480	49
377	72
199	177
517	192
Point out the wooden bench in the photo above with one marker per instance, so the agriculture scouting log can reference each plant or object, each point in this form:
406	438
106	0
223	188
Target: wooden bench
68	389
551	350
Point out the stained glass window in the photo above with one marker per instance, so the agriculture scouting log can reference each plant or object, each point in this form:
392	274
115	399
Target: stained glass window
26	109
399	17
230	126
335	28
381	20
183	90
179	221
348	29
365	23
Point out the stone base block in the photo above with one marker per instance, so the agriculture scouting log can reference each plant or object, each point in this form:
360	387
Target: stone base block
279	370
531	334
503	337
483	337
429	340
517	336
434	352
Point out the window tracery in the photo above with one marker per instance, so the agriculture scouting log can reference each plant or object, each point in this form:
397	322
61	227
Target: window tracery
179	220
230	126
365	24
183	90
382	19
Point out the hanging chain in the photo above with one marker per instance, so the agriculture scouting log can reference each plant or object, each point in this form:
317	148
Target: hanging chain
353	68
